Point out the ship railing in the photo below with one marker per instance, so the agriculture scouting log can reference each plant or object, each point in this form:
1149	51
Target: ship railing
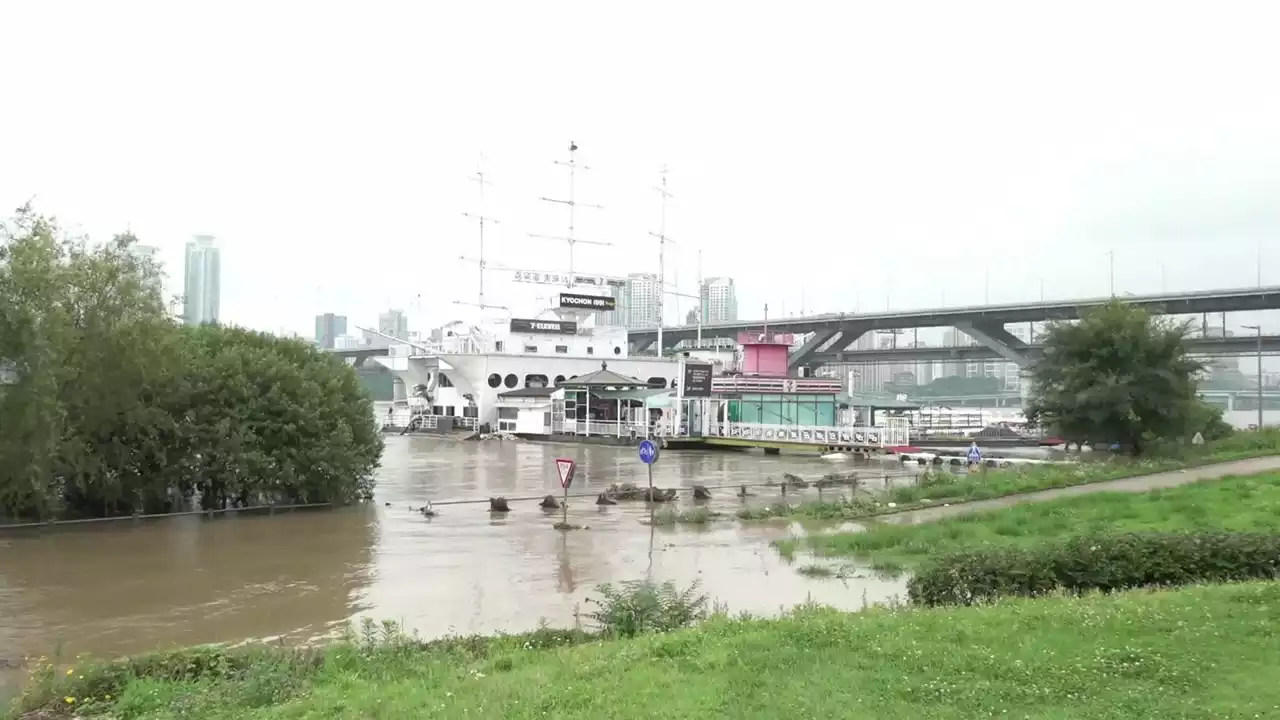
825	435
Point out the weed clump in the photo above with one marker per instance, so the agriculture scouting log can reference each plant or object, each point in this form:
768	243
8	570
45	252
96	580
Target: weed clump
638	607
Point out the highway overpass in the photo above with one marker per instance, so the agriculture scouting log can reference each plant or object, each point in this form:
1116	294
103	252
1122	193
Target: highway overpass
833	332
1212	346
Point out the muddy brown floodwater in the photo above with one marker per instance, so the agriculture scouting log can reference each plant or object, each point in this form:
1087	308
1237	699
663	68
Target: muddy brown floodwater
123	587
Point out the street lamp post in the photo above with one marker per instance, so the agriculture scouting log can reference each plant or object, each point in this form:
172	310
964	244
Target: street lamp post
1258	328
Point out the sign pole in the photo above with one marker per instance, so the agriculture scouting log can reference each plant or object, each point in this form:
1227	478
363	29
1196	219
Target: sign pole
565	469
649	456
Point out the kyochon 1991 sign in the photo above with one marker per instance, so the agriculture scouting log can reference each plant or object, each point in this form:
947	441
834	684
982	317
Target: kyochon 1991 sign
588	302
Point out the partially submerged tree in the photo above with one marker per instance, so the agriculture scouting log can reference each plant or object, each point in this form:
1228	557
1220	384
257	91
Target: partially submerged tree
1119	375
111	408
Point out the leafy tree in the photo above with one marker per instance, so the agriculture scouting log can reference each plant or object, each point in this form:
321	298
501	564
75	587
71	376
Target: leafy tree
1117	375
277	420
113	408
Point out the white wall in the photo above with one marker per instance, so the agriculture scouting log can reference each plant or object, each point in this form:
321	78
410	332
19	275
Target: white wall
534	420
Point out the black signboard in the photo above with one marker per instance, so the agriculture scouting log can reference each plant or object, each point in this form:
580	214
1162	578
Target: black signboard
697	380
587	302
552	327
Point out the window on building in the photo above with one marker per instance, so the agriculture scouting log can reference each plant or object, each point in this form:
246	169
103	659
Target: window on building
591	350
497	346
510	380
508	413
449	411
470	411
562	349
437	410
531	348
617	350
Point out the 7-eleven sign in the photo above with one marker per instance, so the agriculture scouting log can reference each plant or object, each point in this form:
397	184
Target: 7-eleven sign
565	468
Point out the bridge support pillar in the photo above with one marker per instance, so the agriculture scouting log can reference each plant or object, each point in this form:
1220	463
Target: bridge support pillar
994	336
803	355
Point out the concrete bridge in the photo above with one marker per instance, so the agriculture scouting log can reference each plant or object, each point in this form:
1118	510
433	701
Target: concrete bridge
1204	346
834	332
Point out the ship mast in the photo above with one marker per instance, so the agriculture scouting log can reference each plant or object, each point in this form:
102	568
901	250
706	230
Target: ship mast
481	219
573	205
663	239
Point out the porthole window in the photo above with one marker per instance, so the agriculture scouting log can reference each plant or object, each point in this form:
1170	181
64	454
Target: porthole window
657	383
510	380
617	350
559	379
495	380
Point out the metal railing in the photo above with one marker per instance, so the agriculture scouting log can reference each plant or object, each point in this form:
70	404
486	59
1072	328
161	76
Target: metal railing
402	418
610	428
888	436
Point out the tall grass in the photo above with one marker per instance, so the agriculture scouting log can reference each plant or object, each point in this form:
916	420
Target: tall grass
1197	652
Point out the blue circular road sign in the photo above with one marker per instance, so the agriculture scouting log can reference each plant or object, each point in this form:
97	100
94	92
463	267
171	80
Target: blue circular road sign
648	452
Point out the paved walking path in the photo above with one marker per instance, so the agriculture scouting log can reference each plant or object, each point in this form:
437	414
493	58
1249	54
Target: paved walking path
1141	483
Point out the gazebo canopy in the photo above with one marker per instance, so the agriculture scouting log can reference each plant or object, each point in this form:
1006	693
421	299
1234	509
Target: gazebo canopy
652	397
602	378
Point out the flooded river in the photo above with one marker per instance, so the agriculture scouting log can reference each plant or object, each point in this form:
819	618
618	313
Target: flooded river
123	587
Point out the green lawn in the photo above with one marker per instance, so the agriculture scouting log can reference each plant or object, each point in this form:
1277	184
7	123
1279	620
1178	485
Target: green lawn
1200	652
1234	503
942	486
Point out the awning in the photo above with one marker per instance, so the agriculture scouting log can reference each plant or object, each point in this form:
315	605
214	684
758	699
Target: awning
878	402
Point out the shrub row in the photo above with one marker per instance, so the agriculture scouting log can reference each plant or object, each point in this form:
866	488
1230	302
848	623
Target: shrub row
1096	562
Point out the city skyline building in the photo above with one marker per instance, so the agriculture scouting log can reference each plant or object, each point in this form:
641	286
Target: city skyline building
719	300
329	327
149	253
636	301
202	281
394	323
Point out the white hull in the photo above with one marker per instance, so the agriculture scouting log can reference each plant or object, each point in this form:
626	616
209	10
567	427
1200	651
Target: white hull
473	374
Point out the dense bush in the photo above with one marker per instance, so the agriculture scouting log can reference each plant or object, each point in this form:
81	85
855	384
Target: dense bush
1097	562
109	407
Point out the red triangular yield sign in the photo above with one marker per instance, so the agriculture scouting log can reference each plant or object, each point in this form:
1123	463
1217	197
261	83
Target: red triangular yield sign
565	467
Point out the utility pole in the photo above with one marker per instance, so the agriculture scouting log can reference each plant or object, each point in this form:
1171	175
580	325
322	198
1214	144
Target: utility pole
1111	263
573	205
701	303
1258	328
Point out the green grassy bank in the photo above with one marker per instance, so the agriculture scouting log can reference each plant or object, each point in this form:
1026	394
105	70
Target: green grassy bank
1198	652
1235	503
941	486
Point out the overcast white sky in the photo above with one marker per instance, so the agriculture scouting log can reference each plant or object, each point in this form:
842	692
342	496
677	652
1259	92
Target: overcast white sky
857	154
